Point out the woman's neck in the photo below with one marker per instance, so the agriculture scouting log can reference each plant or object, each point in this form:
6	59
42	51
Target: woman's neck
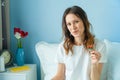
78	41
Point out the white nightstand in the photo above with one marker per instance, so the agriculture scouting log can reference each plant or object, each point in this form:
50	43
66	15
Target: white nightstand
23	75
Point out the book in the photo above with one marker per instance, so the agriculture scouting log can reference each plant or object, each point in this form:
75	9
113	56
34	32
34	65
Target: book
19	68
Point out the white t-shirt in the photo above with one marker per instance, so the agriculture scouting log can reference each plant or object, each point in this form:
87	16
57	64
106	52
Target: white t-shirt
78	64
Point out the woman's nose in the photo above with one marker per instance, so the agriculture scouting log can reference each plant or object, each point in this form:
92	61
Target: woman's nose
73	26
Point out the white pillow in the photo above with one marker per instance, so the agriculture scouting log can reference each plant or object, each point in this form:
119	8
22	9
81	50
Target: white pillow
113	65
47	53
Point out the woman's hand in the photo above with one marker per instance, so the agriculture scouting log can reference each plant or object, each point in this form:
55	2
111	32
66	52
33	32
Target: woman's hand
95	56
60	75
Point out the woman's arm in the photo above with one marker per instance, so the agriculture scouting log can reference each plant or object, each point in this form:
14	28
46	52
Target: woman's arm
96	71
60	75
96	67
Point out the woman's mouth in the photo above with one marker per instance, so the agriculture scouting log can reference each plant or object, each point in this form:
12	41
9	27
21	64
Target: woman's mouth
74	32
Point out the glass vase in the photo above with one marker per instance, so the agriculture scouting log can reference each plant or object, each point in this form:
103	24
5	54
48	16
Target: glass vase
20	56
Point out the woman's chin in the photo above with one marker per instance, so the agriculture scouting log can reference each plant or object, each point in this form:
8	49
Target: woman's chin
76	35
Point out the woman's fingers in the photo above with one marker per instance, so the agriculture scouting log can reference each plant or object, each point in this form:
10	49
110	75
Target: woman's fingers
95	53
95	56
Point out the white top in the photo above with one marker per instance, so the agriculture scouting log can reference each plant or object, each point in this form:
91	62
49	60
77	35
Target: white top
78	64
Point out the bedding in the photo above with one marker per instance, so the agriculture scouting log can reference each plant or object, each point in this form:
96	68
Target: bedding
47	53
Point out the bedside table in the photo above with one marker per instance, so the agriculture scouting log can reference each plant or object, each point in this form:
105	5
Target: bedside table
23	75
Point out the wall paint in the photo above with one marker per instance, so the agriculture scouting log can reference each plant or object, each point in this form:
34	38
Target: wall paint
43	21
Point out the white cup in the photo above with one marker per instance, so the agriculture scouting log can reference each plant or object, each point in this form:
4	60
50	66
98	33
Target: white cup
2	65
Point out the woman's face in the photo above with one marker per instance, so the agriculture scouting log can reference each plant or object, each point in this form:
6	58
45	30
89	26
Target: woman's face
75	25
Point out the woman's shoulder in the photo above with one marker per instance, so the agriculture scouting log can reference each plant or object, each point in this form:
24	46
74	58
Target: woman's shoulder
99	43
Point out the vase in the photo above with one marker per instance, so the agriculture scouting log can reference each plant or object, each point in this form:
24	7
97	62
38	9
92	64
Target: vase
20	56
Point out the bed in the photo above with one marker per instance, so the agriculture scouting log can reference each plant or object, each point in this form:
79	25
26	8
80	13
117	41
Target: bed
47	53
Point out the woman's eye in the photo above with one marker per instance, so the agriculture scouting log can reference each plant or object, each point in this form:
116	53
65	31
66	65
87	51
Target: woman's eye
68	24
76	21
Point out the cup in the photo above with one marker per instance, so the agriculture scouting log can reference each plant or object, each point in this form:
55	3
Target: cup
2	64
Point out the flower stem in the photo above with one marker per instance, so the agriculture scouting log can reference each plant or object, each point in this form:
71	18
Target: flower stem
19	43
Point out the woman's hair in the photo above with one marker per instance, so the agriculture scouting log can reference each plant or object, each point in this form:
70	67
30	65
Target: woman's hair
69	39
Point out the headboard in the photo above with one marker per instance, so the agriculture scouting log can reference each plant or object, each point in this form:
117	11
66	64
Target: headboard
46	53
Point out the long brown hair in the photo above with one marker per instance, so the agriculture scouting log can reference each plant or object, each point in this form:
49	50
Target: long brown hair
69	39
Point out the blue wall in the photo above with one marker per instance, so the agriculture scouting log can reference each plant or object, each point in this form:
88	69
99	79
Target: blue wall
42	19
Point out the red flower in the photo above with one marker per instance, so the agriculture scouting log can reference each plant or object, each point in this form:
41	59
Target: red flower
23	34
19	34
16	30
90	47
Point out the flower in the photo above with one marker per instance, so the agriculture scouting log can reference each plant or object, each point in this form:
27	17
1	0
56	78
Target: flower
18	33
90	47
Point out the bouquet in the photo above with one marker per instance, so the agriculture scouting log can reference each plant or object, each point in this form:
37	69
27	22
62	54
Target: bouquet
19	34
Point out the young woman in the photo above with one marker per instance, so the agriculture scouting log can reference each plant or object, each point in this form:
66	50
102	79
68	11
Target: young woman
80	56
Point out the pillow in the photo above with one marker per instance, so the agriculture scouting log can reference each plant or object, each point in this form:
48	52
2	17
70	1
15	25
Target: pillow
47	53
113	64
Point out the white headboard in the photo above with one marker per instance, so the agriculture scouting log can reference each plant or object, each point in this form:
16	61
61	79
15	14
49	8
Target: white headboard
46	53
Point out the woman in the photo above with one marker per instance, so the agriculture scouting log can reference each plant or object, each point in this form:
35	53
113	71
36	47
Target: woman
80	56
